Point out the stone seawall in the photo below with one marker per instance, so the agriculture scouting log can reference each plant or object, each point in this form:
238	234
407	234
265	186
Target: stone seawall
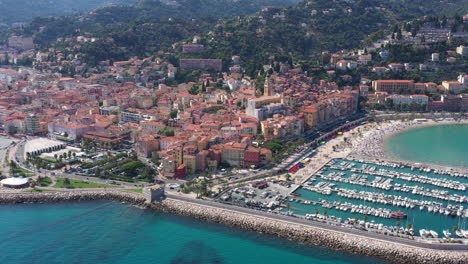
72	196
360	245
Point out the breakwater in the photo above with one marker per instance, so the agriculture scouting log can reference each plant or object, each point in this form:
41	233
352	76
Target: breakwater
303	233
72	196
360	245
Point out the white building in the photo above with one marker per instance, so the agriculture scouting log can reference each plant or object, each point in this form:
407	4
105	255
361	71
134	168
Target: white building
462	50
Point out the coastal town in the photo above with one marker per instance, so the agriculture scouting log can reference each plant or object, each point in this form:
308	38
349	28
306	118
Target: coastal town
293	145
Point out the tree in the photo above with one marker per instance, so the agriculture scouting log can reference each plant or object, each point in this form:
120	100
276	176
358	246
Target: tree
97	172
399	36
174	113
147	173
66	181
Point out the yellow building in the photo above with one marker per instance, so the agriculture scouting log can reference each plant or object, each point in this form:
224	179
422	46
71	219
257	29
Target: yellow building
191	162
311	117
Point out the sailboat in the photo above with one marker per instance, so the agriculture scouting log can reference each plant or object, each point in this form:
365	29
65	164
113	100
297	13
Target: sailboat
447	233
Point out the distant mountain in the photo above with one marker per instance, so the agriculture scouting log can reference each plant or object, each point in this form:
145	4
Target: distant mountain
13	11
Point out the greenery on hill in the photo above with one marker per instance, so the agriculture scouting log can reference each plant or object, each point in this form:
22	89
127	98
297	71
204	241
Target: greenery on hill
300	31
145	12
13	11
141	29
305	29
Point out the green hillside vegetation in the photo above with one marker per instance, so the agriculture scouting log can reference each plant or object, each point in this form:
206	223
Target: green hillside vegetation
306	29
13	11
112	19
141	29
300	31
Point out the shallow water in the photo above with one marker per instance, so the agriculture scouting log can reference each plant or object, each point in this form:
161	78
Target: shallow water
442	145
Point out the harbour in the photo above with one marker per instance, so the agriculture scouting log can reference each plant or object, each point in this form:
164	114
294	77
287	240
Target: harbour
350	189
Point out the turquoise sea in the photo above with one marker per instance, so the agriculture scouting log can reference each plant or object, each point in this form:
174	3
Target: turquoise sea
443	145
110	232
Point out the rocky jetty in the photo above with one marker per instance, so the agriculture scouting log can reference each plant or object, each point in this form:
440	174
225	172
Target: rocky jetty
72	196
360	245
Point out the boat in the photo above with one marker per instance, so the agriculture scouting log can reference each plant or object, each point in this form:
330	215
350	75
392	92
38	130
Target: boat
423	232
434	234
398	215
465	233
447	233
296	194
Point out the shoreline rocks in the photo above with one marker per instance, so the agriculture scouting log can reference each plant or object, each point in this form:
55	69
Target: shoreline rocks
72	196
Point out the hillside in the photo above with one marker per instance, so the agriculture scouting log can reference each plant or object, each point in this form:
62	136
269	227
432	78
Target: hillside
300	31
13	11
146	22
313	26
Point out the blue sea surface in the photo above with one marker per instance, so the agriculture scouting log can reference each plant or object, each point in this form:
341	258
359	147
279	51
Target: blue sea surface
442	145
111	232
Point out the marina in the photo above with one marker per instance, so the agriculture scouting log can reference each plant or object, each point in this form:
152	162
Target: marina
388	197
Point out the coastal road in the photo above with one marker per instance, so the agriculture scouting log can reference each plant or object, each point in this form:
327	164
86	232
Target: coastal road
295	157
323	226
